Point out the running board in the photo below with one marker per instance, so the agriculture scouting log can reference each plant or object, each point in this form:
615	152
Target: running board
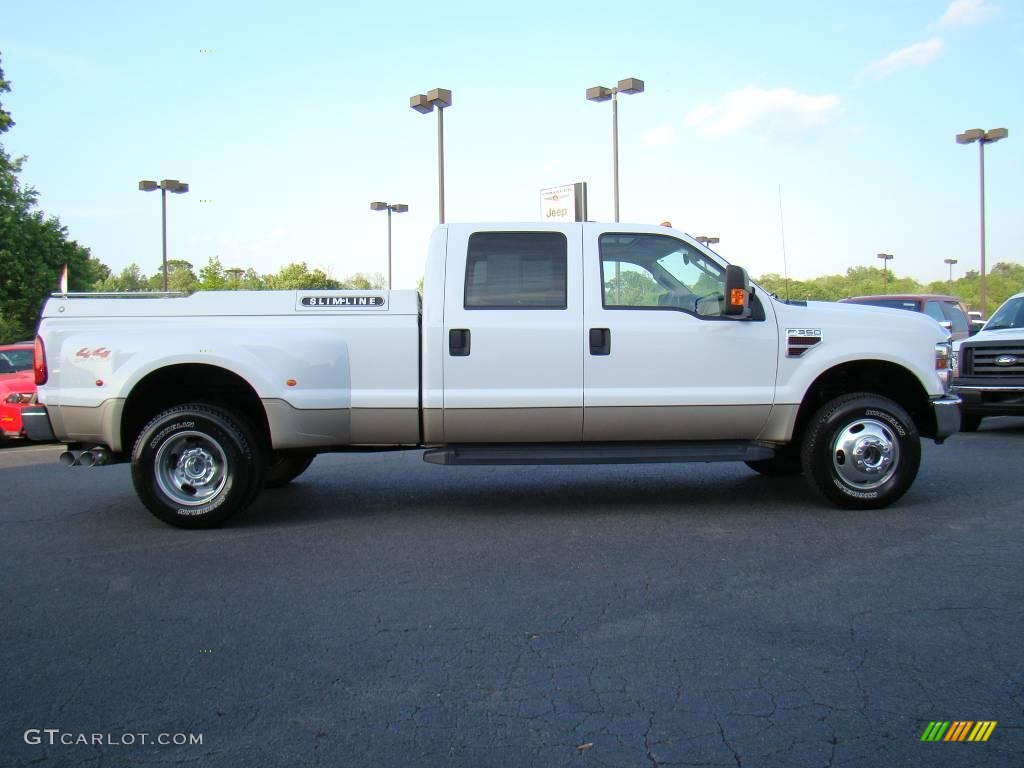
598	453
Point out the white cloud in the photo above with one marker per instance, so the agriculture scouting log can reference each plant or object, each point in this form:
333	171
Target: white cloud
658	137
915	55
962	13
769	111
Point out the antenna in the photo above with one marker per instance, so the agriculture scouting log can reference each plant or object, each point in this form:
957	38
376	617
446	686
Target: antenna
782	227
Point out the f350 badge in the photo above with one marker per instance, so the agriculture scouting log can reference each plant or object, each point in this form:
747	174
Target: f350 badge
799	340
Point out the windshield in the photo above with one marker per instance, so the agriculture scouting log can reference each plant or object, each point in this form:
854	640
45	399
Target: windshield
15	360
1010	315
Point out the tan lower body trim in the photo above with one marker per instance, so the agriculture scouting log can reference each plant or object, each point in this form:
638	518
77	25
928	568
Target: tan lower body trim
82	424
385	426
524	425
433	426
675	422
512	425
317	428
780	425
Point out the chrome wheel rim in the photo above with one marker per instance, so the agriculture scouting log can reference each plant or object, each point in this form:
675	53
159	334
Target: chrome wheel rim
865	454
191	468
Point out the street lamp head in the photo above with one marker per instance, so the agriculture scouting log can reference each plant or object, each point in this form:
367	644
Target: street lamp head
421	104
147	186
399	207
599	93
173	185
951	262
995	135
885	255
631	85
970	136
708	240
378	206
442	97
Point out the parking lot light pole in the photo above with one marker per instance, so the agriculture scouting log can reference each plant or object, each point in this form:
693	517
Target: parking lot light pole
601	93
424	103
708	241
983	138
950	263
389	207
165	186
886	258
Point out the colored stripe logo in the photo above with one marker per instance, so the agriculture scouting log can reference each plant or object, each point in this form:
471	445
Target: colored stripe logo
959	730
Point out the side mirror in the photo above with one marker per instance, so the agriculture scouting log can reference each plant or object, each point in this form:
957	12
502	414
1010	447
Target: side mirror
737	292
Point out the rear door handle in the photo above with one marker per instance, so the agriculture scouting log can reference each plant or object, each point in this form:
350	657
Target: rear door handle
600	341
458	342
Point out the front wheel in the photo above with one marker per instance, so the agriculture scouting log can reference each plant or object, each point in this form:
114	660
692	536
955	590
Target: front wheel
195	465
861	451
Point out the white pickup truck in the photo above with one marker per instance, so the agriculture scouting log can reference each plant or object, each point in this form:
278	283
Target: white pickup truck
535	344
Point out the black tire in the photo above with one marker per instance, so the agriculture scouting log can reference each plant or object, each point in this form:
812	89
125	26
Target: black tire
785	463
969	422
861	451
223	476
284	468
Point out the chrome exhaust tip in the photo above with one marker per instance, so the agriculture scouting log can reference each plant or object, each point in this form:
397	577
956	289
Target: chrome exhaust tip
68	459
87	459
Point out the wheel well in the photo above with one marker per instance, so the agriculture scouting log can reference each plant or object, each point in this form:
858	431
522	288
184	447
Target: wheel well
187	383
876	376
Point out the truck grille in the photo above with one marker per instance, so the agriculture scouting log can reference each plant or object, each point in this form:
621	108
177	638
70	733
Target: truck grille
995	360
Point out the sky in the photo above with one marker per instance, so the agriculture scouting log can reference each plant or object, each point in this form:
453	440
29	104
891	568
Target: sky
288	119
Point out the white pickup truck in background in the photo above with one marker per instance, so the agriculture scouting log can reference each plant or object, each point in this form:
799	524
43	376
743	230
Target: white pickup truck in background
535	343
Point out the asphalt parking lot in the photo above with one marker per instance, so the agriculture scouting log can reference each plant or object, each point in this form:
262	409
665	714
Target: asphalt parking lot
385	612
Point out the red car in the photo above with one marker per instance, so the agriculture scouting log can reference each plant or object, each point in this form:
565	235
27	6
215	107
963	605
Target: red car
17	386
947	311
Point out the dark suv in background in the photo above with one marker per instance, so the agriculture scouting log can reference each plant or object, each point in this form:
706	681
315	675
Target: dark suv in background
947	311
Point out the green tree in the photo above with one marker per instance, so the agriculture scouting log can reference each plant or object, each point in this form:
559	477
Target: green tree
244	279
6	123
362	282
213	277
130	279
633	289
180	277
296	276
34	248
1003	280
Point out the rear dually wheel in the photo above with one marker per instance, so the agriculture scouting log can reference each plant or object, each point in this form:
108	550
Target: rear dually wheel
195	465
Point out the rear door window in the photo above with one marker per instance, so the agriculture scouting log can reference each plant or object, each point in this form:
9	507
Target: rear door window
516	270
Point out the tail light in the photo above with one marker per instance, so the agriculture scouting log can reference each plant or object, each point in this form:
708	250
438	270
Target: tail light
39	362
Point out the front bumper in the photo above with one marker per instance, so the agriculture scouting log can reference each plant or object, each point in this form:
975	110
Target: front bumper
36	422
985	396
947	416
